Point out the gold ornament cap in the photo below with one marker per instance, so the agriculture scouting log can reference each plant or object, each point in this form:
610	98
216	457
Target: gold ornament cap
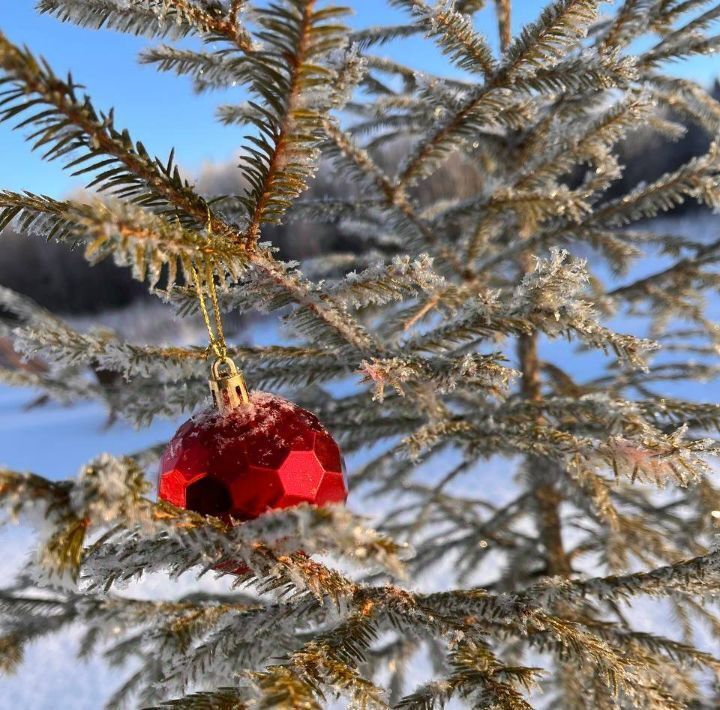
227	385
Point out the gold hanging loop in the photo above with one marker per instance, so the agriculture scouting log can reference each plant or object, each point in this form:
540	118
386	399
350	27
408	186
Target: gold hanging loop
227	384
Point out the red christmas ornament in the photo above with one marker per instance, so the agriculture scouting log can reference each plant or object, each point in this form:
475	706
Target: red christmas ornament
249	455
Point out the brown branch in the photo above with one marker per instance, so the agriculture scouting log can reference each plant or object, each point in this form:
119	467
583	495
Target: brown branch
502	8
622	18
346	326
295	62
430	304
226	26
689	264
547	497
11	359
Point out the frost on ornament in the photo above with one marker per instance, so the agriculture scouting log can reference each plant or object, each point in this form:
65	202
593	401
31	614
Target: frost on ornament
260	456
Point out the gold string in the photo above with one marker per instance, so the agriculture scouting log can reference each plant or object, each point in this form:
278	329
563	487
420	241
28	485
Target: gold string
217	337
210	279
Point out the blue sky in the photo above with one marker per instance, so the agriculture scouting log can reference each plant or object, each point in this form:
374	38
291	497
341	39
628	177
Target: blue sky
105	62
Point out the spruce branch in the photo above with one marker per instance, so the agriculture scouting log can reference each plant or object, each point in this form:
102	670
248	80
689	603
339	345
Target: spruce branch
69	128
555	33
292	64
478	677
503	10
109	493
697	178
631	20
683	41
153	18
208	70
455	35
372	36
131	235
220	699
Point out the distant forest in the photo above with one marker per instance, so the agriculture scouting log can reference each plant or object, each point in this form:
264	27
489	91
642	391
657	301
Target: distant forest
58	277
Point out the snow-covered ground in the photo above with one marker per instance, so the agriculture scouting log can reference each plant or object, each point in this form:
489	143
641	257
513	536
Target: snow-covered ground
55	441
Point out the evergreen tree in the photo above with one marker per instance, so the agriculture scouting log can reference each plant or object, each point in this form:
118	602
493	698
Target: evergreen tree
437	327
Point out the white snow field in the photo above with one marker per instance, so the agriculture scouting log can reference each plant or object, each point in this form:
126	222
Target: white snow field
55	441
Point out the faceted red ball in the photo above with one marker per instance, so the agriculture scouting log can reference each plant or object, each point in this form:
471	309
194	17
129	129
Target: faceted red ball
265	455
